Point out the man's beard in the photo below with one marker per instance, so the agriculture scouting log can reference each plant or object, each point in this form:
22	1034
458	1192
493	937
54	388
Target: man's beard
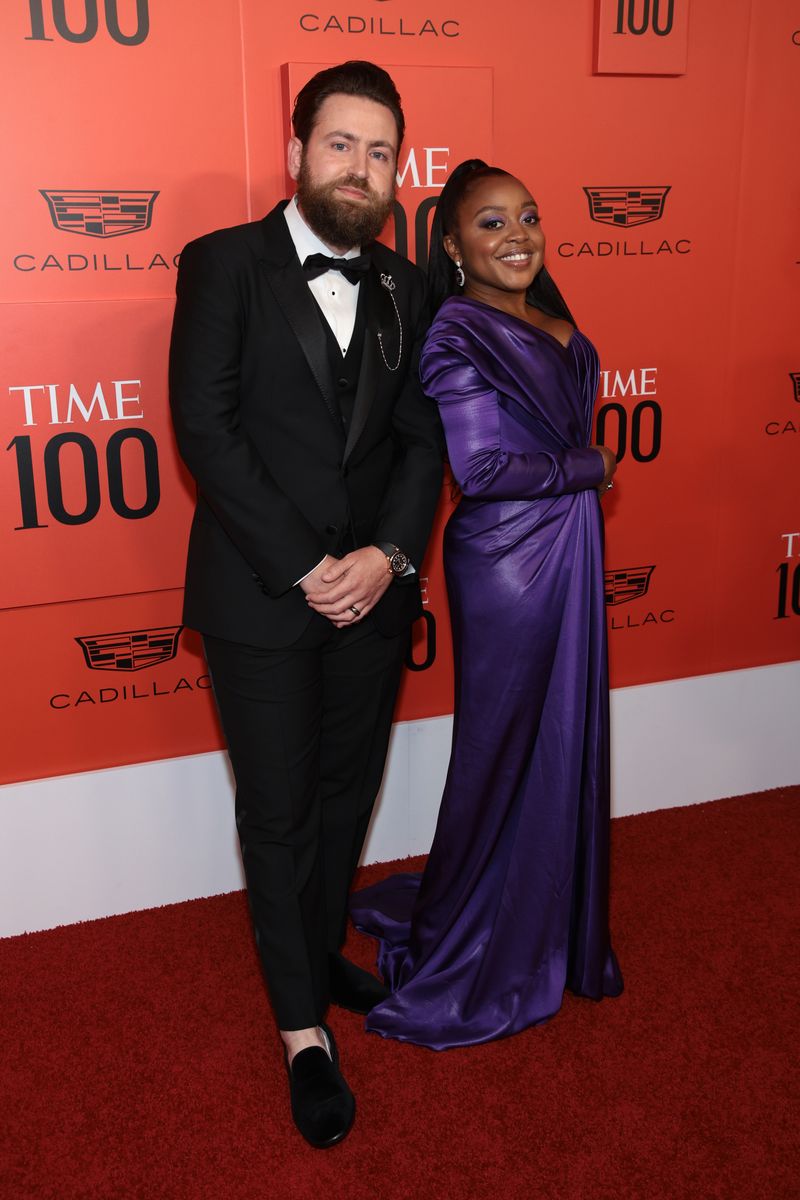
335	221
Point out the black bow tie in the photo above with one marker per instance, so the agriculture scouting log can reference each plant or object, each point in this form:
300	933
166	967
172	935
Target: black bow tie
351	268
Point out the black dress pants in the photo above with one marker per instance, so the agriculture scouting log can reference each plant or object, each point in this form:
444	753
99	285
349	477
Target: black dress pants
307	729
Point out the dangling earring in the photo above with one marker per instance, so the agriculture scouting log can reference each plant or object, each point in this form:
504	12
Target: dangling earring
461	278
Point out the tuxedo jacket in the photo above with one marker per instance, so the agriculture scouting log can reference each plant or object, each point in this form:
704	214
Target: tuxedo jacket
280	483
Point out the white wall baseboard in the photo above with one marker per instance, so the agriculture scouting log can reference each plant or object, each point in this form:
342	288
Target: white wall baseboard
79	847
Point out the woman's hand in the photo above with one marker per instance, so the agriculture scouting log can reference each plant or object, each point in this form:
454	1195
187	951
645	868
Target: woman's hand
610	464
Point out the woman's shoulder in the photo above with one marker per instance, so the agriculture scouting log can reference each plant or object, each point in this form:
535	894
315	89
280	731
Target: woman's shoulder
455	326
447	338
458	348
456	312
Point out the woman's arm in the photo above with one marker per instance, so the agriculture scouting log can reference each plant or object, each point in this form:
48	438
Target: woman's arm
471	417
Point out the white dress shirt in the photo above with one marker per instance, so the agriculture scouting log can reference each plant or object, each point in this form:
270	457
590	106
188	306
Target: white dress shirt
335	295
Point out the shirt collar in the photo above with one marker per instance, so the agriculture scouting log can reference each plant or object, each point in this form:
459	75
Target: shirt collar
305	240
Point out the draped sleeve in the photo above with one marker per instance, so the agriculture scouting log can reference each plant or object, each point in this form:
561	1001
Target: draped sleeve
471	407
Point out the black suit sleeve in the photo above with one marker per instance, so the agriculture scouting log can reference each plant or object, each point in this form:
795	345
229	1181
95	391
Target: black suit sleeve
205	352
410	500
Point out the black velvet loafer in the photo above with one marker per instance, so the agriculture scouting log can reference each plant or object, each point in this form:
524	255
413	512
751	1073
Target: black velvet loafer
353	988
323	1107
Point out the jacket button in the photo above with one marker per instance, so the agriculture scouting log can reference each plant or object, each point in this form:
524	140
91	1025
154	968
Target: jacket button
331	528
342	382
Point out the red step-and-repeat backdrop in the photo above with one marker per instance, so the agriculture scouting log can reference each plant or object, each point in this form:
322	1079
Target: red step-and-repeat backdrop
660	139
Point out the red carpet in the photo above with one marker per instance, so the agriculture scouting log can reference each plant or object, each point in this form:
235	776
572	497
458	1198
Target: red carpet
138	1058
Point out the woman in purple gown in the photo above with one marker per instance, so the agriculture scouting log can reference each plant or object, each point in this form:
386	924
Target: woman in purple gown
513	905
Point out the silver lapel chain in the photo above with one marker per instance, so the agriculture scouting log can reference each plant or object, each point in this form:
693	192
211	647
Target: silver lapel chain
389	284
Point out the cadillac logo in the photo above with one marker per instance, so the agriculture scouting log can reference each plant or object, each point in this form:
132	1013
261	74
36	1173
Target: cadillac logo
100	214
624	207
631	583
131	651
795	378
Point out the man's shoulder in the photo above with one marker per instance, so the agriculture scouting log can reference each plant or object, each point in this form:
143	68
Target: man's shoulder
390	261
233	240
242	242
410	283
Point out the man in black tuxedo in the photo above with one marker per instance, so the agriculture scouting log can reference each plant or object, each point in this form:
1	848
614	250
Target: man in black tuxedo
297	408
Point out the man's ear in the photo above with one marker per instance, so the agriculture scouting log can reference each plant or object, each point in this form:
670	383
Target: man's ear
294	156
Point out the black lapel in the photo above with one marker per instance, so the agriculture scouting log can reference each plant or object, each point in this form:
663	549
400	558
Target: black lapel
288	283
380	318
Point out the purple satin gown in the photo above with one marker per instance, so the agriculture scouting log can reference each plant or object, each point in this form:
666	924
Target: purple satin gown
513	905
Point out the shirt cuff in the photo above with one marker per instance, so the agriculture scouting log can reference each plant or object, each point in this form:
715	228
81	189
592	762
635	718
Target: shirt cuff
311	572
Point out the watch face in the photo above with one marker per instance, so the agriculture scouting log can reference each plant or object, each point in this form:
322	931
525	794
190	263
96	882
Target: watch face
398	562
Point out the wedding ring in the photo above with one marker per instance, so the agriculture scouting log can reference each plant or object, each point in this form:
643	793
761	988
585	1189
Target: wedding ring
355	610
609	485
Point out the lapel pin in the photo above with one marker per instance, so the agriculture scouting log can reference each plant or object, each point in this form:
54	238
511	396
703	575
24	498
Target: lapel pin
389	284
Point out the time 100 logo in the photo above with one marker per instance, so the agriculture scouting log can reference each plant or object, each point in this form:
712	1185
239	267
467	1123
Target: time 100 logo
71	465
789	579
638	430
653	16
84	28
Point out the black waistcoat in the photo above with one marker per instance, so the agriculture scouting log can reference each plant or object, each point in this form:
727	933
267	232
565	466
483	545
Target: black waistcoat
345	369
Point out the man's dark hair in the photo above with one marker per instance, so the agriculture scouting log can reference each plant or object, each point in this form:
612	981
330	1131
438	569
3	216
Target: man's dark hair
353	78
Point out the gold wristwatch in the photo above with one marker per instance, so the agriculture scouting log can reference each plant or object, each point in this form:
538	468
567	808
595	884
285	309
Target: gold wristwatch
397	561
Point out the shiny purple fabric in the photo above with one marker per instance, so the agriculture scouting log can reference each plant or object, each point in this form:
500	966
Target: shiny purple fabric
513	905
